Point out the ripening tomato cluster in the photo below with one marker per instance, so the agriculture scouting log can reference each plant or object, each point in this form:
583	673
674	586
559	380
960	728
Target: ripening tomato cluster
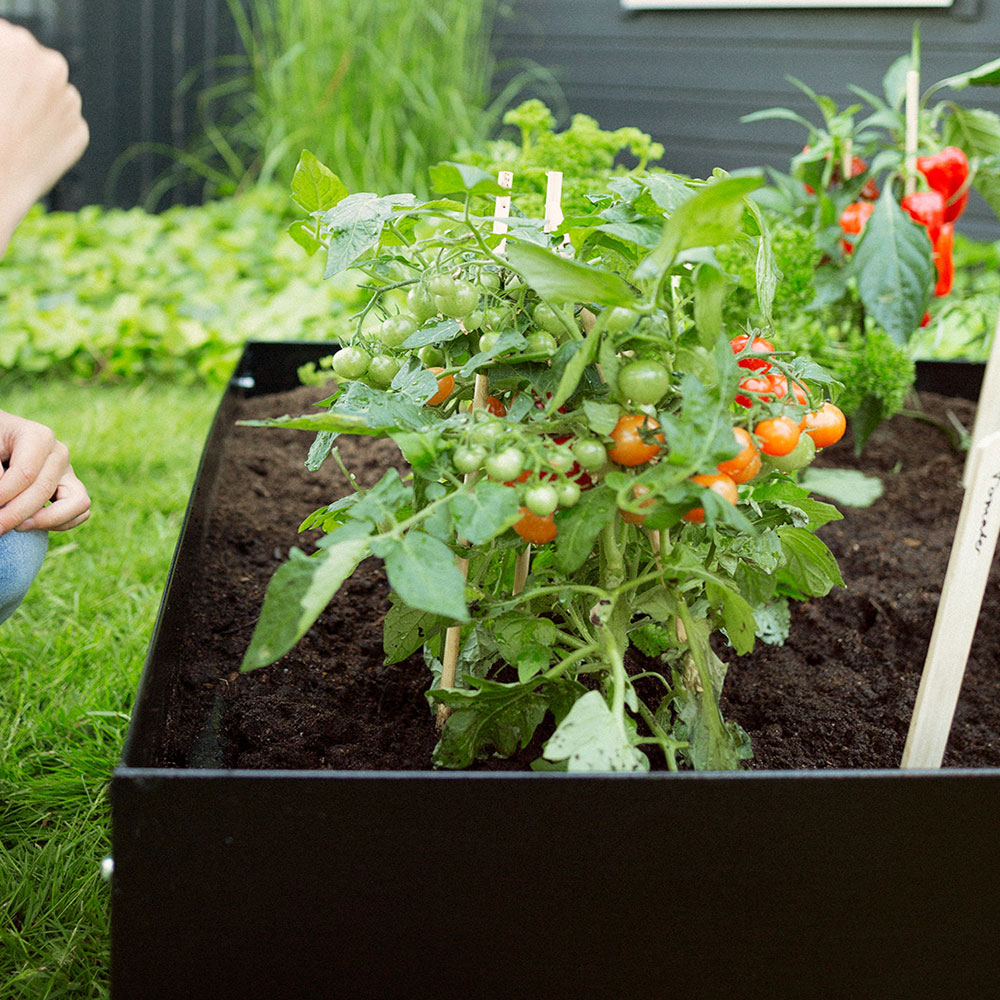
781	441
936	208
484	303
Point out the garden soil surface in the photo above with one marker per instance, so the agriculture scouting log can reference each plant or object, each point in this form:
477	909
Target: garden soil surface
838	694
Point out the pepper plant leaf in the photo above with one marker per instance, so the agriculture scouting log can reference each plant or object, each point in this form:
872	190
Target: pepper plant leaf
893	267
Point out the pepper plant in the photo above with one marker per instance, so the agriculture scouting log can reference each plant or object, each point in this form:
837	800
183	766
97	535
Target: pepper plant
570	388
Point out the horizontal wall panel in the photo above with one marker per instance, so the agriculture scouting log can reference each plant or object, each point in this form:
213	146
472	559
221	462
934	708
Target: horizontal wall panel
688	76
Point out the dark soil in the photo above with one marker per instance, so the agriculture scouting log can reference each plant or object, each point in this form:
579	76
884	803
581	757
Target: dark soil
838	694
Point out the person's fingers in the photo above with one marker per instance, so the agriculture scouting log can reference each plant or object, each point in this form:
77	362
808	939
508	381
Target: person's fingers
70	507
27	484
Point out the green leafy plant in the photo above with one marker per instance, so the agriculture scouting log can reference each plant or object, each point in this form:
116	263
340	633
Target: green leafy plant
883	215
117	295
596	463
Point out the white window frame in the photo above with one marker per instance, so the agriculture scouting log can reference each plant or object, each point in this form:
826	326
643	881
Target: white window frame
797	4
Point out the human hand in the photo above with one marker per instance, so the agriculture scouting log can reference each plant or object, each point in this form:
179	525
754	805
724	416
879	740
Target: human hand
42	132
36	469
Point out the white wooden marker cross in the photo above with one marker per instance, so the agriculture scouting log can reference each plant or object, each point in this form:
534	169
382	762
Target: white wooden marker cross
964	584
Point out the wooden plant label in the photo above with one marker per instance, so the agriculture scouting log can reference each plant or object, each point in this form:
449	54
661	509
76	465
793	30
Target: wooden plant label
987	414
958	612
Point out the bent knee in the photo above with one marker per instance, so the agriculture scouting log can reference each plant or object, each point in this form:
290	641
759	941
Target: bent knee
21	556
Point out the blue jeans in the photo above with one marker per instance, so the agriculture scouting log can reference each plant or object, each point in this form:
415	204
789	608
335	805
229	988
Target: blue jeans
21	555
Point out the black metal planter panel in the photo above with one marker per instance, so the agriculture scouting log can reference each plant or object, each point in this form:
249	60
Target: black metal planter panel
453	886
373	886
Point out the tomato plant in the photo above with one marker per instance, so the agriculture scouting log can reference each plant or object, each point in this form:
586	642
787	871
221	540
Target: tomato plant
571	516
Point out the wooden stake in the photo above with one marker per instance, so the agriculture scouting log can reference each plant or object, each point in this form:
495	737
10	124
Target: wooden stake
453	637
912	128
958	610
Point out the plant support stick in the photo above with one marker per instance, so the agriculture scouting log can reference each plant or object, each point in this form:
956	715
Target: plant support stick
453	637
958	611
912	128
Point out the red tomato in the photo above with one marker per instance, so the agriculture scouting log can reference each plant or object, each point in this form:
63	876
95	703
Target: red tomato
757	346
446	386
629	448
761	388
637	491
722	485
826	426
743	460
778	435
535	529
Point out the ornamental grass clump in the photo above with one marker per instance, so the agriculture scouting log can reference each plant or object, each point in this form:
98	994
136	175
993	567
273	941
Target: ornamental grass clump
603	491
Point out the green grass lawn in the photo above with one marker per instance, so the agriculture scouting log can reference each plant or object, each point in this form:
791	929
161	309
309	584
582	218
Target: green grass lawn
70	660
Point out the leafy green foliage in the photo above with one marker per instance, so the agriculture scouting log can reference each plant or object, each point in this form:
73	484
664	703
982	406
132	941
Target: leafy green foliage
115	295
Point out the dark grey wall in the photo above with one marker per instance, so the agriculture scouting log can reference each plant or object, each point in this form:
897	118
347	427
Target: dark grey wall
687	76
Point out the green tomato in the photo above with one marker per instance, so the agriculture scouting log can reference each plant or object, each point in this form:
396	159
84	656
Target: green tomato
561	461
469	458
643	382
488	341
431	356
590	453
351	362
798	458
420	302
540	342
396	329
505	466
383	370
541	500
441	283
618	319
547	319
474	320
488	433
463	300
488	281
569	493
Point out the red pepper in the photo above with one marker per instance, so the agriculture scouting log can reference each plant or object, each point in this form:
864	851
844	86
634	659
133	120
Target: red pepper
947	172
852	221
943	259
927	208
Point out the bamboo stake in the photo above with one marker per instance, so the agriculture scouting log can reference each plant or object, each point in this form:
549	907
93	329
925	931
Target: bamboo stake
964	583
912	128
453	637
958	612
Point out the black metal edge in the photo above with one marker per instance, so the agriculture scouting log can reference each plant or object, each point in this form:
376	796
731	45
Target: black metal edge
258	371
962	379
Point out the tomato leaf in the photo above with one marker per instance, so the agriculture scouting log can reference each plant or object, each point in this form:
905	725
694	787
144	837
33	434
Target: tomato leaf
809	567
300	590
559	280
486	714
573	357
579	527
315	187
894	270
354	225
437	332
485	513
450	178
710	218
593	738
737	616
422	571
848	487
406	629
